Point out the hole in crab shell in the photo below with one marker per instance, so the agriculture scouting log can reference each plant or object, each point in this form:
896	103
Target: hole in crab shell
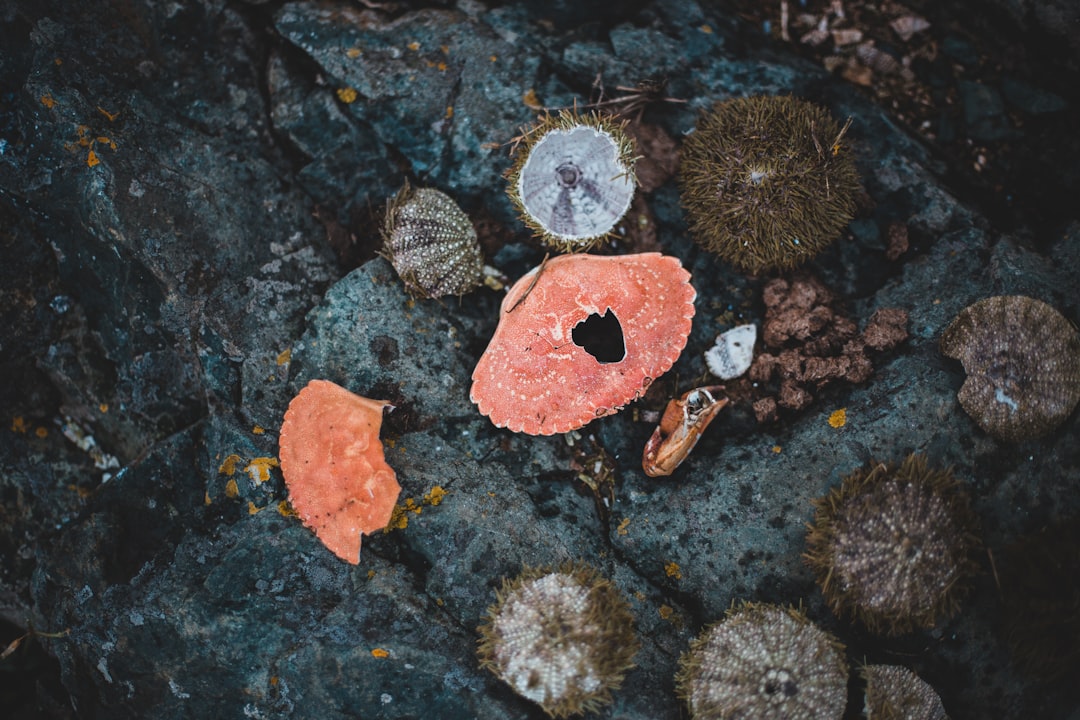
601	336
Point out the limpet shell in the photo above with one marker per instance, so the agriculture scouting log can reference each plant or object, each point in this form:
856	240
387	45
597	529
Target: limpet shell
431	243
573	178
1022	359
733	352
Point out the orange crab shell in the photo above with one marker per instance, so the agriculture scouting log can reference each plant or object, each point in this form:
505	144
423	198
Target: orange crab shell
533	378
333	463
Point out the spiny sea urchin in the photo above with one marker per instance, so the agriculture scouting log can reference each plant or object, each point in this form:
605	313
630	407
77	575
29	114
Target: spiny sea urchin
562	638
431	243
573	178
893	546
767	182
896	693
766	662
1022	359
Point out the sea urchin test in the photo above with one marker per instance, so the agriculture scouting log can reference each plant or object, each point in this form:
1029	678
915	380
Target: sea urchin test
573	178
581	336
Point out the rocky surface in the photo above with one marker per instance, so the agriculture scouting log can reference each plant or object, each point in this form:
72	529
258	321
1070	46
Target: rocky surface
191	197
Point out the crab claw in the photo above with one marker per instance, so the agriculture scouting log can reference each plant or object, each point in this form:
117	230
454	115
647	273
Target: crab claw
684	419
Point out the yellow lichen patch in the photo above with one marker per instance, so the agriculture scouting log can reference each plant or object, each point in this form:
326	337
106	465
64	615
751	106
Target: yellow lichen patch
258	430
370	574
284	356
621	530
398	519
206	498
231	489
259	468
347	95
838	419
531	100
777	449
707	29
494	58
435	496
92	159
673	570
111	116
252	509
414	46
380	653
228	465
41	431
286	510
449	111
353	53
103	407
82	492
445	49
18	424
48	101
442	67
665	611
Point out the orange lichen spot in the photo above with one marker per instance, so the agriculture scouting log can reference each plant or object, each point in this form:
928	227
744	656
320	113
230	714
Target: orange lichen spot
673	570
442	67
41	431
665	611
106	141
334	466
58	61
380	653
284	356
838	418
777	449
92	159
287	510
206	498
531	100
622	529
103	407
48	101
232	490
111	116
494	58
445	49
258	429
435	496
440	602
81	136
18	424
414	46
353	52
252	509
707	29
259	469
82	492
449	111
347	95
370	574
274	681
228	465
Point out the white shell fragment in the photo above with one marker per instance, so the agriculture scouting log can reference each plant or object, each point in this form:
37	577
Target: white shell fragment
574	184
733	352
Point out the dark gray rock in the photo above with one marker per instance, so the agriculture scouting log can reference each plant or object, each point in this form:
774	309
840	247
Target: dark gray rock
191	292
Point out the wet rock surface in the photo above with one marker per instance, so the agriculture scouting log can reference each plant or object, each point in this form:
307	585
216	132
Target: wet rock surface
190	198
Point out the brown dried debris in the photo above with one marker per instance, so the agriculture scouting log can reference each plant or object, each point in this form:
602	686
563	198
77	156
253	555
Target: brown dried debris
810	344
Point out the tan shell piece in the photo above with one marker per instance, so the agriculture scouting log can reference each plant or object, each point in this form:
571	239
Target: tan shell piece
333	464
533	378
1022	359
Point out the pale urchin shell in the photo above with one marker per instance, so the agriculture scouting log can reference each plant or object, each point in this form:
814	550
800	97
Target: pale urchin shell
431	243
896	693
765	662
561	638
733	352
1022	359
573	178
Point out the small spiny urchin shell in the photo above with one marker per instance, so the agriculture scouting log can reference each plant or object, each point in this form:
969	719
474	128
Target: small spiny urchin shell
767	182
573	178
431	243
893	546
896	693
1022	359
561	638
764	662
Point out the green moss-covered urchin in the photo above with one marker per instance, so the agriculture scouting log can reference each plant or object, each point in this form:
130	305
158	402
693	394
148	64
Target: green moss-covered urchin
573	178
563	638
896	693
765	662
431	243
893	545
767	182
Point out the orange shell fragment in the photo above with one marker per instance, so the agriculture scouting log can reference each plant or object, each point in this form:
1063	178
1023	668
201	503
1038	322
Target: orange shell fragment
334	467
535	379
